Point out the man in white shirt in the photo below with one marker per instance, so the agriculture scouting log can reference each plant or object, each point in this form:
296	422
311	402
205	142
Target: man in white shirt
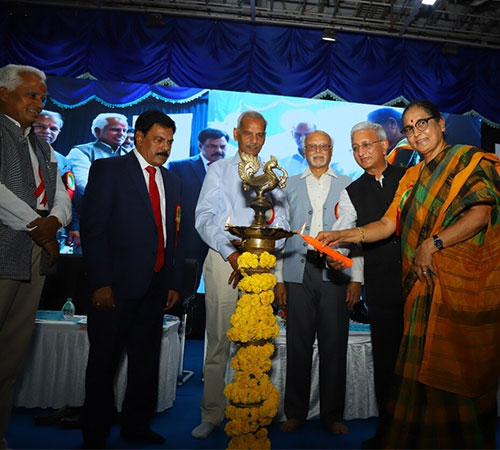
317	299
222	197
34	204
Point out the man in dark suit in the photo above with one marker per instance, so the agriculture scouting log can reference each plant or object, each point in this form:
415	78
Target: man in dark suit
129	224
212	144
362	202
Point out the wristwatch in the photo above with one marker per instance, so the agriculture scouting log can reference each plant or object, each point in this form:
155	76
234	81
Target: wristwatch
438	242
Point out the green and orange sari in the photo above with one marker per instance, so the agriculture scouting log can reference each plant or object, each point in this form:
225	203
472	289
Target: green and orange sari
449	359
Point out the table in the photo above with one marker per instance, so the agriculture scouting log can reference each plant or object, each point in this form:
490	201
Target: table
54	372
360	400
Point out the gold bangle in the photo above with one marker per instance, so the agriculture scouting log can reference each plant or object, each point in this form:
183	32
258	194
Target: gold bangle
361	235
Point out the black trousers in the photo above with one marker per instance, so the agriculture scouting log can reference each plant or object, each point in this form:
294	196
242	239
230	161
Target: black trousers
385	312
134	326
316	308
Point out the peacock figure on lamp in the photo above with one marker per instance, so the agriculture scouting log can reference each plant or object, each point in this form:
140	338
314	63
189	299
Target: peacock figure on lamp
253	400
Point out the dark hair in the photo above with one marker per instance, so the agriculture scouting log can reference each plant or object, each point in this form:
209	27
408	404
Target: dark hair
153	117
429	107
212	133
383	115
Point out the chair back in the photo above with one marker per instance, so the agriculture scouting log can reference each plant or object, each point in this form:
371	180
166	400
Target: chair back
189	281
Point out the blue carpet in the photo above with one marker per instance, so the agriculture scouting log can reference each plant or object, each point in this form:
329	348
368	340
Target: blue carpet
177	422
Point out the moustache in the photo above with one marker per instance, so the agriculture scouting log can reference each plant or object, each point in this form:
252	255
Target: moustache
167	154
218	154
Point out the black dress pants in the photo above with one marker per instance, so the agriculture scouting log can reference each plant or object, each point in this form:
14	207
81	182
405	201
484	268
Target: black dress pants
134	326
316	308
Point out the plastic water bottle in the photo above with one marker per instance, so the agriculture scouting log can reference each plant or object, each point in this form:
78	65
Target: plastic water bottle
68	309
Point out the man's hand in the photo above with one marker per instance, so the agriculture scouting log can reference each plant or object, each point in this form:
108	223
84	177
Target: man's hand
73	239
353	294
52	248
334	263
235	276
46	229
103	298
173	298
280	294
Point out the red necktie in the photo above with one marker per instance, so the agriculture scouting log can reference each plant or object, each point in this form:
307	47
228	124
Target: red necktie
154	195
41	188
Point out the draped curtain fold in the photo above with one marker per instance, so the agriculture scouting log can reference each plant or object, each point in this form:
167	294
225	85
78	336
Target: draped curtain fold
120	46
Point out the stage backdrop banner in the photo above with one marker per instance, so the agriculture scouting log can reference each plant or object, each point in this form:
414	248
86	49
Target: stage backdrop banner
120	46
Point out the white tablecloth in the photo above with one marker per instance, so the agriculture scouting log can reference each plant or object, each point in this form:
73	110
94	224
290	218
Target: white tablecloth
360	400
54	372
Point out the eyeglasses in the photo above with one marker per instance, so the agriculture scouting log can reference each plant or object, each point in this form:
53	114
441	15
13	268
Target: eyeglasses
420	125
318	147
364	146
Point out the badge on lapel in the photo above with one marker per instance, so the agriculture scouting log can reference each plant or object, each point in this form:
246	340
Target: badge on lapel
177	222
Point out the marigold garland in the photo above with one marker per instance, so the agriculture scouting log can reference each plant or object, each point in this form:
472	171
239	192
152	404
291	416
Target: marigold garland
253	399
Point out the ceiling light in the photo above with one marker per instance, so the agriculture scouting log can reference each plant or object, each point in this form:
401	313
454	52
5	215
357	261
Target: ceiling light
329	35
155	20
428	2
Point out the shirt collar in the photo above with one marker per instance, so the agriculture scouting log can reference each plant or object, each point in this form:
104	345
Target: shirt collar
118	149
308	172
143	163
28	129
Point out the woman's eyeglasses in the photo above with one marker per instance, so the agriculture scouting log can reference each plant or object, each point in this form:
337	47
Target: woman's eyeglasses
420	125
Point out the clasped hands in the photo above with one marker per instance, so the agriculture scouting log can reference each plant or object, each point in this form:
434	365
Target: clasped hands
43	232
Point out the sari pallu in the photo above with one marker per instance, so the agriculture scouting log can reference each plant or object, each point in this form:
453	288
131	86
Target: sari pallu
448	361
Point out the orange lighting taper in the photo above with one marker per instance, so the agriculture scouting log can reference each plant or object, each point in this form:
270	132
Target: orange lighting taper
327	250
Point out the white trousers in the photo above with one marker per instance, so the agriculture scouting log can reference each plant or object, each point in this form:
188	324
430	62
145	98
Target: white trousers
220	303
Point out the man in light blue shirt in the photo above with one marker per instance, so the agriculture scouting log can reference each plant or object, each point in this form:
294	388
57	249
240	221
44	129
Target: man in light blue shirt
222	200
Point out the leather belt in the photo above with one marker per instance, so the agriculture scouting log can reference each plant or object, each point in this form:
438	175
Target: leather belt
313	255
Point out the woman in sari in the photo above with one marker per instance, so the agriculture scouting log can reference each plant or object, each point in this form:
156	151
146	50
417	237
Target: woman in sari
447	213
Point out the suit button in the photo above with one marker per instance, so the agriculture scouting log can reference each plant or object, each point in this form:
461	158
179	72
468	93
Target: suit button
305	244
309	212
302	260
308	227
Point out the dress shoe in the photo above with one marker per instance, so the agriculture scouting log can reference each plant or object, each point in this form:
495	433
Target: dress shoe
94	444
291	425
337	428
144	436
54	417
371	443
70	422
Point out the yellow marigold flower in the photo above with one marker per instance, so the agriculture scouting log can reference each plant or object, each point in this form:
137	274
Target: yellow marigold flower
267	260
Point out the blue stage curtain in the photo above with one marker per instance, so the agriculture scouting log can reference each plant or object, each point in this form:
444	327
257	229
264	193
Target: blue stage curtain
119	46
72	93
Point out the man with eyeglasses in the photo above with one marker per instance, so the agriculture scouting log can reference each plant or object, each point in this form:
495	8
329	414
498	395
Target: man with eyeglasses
212	145
399	151
364	201
48	126
110	130
317	298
